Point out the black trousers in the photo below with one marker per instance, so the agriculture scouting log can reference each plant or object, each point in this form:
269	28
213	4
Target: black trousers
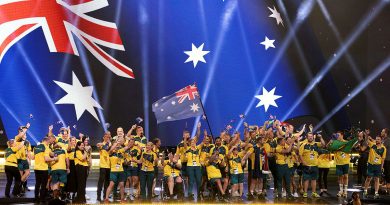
323	177
104	178
362	169
81	176
71	185
272	168
12	173
41	177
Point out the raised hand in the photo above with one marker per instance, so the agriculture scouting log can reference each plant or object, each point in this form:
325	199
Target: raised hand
28	125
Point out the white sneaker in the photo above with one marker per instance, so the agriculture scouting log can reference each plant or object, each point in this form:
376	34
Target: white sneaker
87	197
284	194
295	195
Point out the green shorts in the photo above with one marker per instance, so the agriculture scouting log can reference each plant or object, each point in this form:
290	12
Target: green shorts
131	171
212	180
310	173
117	177
342	169
58	176
237	178
374	170
23	164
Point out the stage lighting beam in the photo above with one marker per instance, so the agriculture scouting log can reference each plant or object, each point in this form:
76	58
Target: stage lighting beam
379	70
341	50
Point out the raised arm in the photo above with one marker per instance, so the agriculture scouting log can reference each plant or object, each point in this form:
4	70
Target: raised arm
128	134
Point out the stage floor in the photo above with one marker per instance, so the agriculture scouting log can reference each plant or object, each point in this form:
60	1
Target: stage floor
93	179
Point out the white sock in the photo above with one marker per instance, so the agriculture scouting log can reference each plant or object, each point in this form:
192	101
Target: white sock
341	187
345	188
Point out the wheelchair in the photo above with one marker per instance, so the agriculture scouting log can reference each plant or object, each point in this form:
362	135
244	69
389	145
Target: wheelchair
164	192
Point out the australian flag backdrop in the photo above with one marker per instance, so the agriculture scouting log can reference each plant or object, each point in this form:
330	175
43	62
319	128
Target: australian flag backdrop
95	65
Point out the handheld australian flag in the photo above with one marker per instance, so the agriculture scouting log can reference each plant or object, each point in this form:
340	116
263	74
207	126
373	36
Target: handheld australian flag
183	104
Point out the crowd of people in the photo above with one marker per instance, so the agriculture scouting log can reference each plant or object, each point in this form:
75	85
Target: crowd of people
213	168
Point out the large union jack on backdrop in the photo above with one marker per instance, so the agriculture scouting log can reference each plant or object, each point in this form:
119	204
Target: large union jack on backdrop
60	20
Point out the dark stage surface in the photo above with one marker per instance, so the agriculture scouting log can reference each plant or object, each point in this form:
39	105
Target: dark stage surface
332	189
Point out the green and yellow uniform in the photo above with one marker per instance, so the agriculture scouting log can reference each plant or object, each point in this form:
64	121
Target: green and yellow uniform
58	168
170	169
117	173
180	150
309	152
283	171
40	152
236	171
133	153
78	159
342	160
148	159
104	157
376	157
10	156
21	154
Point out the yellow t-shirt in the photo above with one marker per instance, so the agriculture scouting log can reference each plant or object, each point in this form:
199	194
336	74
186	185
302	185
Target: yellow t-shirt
78	157
193	157
342	158
377	154
170	171
181	151
133	153
213	171
281	158
116	160
223	151
291	159
10	157
148	159
204	152
270	146
235	163
71	153
62	142
104	161
309	153
61	163
256	150
22	153
324	160
40	152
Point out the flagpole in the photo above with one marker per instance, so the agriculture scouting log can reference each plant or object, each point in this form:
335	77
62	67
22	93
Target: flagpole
204	113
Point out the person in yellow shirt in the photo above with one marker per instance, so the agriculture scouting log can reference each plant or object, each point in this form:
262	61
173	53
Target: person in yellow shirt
42	155
376	158
132	170
282	150
23	155
223	151
308	155
156	149
104	165
63	137
256	154
148	160
324	160
117	174
205	148
172	176
193	168
81	161
214	173
11	168
71	185
342	161
270	146
180	150
236	171
59	170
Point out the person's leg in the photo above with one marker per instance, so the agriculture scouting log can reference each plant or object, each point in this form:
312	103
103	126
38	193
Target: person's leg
198	179
109	189
320	174
305	185
122	190
135	180
279	175
191	180
149	181
286	176
359	171
143	184
43	190
106	181
38	183
171	185
325	179
9	175
100	183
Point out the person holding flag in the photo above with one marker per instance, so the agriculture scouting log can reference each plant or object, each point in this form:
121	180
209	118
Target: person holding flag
342	159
